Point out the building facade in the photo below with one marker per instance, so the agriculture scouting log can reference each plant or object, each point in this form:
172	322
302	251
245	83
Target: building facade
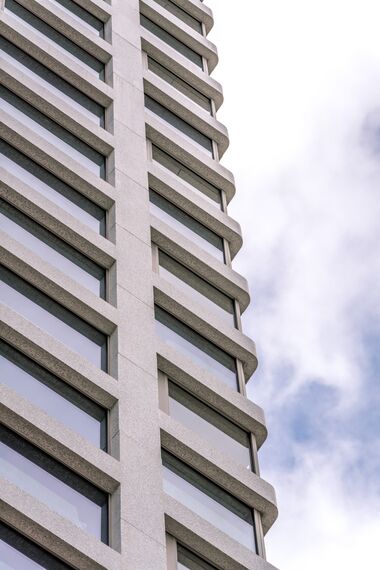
127	440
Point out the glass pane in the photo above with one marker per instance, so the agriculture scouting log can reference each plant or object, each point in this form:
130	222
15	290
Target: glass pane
200	350
87	19
52	318
208	500
19	553
55	84
52	188
189	561
185	128
52	249
200	185
171	41
43	30
186	225
179	84
197	288
53	484
52	132
54	396
206	422
181	14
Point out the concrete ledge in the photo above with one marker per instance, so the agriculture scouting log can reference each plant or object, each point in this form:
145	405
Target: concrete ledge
189	154
216	466
208	541
55	59
199	261
182	195
99	8
181	66
57	162
57	220
198	10
52	14
53	532
181	31
185	108
57	285
57	440
212	391
214	329
58	359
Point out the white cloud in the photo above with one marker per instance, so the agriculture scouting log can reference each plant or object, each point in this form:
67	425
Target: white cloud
302	85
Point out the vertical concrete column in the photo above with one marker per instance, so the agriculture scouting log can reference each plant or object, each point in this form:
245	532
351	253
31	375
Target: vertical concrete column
137	439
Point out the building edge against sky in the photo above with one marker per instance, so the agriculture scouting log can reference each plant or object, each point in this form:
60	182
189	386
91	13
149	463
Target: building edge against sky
127	440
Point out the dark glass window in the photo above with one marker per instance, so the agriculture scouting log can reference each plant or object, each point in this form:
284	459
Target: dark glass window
55	84
197	288
187	560
52	249
198	348
220	432
186	225
198	183
171	41
19	553
45	31
52	483
179	124
87	19
181	14
208	500
54	319
52	188
182	86
52	132
52	395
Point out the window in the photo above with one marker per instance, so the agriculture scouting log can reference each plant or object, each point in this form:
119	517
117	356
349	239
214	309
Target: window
51	81
52	188
220	432
200	185
186	225
180	84
163	35
194	346
208	500
52	483
187	560
52	318
52	132
19	553
52	249
87	19
45	31
52	395
197	288
179	124
181	14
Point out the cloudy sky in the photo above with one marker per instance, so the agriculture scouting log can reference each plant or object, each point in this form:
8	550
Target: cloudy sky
302	104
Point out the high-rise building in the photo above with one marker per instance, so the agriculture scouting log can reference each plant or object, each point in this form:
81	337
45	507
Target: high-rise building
127	440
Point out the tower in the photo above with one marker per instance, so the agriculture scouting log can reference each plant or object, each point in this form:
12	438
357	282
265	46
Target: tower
127	438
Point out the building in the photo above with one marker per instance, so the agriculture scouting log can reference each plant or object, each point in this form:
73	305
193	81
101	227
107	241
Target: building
127	440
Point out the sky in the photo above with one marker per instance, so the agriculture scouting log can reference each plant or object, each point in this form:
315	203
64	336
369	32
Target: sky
301	81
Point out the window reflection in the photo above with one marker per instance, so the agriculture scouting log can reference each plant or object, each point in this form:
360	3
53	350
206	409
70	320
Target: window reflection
54	319
186	225
52	188
53	484
199	349
210	425
52	395
52	249
208	500
187	560
87	19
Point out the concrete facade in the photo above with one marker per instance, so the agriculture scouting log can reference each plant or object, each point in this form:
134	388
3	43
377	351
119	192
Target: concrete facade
145	523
